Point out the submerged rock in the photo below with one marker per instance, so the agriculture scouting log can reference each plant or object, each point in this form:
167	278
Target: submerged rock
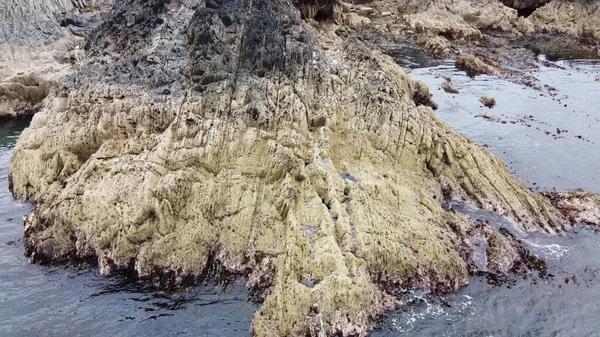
248	137
449	88
488	101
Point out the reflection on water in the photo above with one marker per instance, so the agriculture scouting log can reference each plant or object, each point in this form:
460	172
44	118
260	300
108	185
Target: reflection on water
55	301
523	130
548	137
562	51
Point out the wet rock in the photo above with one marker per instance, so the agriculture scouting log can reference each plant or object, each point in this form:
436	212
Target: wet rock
579	206
226	173
502	253
488	101
473	66
449	88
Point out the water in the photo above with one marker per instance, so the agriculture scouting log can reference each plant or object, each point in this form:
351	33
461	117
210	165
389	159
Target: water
565	301
548	137
57	301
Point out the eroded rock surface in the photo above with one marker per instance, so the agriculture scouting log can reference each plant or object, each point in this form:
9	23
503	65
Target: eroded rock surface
251	136
499	28
579	205
469	19
40	42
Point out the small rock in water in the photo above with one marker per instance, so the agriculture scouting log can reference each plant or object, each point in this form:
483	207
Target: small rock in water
10	243
488	101
449	88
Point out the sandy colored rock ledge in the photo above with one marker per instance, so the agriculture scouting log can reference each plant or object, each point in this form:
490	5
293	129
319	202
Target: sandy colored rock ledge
464	19
238	134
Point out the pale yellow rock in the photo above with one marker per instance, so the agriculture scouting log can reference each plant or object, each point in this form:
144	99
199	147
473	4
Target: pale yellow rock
329	195
573	18
355	20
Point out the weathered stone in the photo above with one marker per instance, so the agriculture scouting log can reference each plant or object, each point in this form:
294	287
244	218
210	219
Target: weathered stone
488	101
449	88
579	205
471	19
37	42
473	66
308	163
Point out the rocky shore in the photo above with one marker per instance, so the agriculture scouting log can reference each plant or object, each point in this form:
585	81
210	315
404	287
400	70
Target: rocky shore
274	141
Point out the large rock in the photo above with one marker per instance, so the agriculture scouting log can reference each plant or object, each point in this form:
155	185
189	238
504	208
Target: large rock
236	134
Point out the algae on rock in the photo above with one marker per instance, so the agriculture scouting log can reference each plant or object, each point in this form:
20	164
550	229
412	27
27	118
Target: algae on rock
236	133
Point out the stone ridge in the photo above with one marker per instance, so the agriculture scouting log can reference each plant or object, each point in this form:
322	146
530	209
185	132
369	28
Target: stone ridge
237	134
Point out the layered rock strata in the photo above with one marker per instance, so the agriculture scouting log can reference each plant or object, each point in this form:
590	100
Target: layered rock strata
40	42
248	135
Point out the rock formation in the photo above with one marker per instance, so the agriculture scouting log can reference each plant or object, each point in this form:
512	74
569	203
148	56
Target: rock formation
446	27
39	42
466	18
248	135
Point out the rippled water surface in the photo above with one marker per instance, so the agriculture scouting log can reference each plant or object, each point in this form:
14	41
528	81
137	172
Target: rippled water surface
549	137
43	301
522	130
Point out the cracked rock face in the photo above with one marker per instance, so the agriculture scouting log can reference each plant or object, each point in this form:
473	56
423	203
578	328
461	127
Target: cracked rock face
39	43
236	133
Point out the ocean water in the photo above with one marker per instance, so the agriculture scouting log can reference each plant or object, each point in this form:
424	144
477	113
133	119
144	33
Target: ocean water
523	130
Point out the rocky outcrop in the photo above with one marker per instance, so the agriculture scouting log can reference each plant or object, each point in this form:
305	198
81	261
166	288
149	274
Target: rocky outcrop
250	136
451	27
40	42
580	19
469	19
579	205
473	66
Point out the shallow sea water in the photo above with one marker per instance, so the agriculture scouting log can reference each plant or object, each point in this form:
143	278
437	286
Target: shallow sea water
566	302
